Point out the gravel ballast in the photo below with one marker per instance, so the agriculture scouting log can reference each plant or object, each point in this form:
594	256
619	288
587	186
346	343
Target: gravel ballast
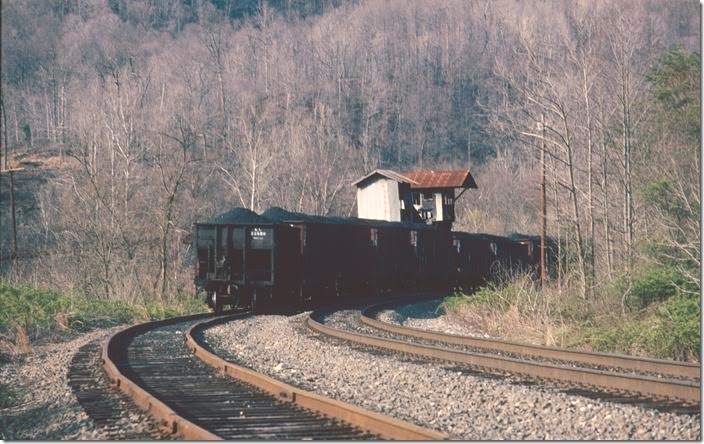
47	408
443	397
427	315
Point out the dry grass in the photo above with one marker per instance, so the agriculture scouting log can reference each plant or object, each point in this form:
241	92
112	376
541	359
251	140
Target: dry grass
49	159
62	320
15	343
509	324
517	308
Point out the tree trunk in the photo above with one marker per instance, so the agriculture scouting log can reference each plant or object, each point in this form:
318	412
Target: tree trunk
222	101
254	181
627	185
164	261
557	226
17	126
48	122
605	190
575	211
590	178
543	206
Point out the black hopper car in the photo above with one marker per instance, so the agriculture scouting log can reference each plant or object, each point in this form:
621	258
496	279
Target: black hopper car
286	261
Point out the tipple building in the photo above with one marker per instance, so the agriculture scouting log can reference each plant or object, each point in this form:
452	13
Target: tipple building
415	196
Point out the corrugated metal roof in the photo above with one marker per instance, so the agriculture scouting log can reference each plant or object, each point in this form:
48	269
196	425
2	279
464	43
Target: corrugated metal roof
393	175
441	179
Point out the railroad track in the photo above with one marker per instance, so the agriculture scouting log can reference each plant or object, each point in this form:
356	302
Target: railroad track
681	392
107	407
602	361
166	370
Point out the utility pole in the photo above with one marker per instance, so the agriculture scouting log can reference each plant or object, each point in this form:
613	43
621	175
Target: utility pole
543	209
13	254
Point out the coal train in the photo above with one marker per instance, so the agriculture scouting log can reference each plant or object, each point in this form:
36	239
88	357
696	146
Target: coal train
288	261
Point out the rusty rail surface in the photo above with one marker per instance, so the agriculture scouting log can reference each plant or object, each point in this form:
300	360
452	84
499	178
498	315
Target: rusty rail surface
662	366
657	387
163	413
384	426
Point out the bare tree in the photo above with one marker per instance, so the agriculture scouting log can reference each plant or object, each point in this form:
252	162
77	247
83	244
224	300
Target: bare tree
251	153
173	172
629	84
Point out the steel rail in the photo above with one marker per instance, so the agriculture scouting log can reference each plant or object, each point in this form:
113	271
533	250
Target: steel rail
662	366
147	402
682	390
384	426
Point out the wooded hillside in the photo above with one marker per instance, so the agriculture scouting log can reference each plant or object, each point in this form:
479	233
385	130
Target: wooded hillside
142	116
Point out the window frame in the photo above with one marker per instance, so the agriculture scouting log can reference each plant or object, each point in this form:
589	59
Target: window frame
374	237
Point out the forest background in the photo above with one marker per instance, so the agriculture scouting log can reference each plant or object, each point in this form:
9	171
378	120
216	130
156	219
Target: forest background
133	119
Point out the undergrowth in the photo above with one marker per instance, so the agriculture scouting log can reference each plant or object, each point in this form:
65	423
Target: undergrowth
29	315
9	397
660	317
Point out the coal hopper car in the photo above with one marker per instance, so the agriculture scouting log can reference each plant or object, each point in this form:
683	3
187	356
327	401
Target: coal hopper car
346	258
241	258
283	260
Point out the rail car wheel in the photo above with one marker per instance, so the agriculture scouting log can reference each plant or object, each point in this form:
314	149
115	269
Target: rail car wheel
255	307
215	302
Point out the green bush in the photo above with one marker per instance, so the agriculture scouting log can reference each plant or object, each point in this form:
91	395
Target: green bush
626	336
498	297
30	308
656	284
8	396
516	290
454	302
41	313
670	330
678	333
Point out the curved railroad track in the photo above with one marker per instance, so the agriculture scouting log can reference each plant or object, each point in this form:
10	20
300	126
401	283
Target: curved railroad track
109	409
167	370
621	377
603	361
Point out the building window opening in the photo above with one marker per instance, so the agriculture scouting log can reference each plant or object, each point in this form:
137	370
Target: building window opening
414	238
416	198
448	199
